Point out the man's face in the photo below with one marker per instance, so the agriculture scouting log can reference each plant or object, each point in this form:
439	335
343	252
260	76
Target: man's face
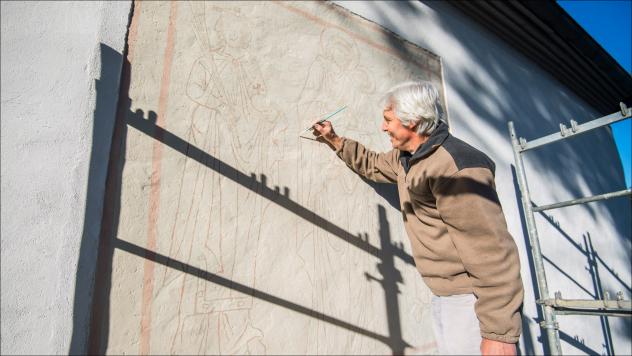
400	134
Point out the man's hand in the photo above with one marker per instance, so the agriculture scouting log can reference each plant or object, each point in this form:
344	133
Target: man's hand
324	132
492	347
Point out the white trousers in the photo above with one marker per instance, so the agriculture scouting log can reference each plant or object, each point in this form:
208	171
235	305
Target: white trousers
456	325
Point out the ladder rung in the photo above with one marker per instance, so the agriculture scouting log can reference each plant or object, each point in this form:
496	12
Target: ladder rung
575	130
584	200
593	312
589	304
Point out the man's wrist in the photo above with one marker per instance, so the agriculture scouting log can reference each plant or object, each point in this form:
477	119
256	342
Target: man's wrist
336	142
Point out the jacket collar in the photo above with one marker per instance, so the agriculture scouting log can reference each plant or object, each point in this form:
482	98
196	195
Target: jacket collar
435	140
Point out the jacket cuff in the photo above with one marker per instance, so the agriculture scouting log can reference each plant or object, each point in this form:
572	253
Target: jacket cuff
342	147
508	339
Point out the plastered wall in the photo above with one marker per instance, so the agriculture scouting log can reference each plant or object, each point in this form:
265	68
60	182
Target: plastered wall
59	77
235	235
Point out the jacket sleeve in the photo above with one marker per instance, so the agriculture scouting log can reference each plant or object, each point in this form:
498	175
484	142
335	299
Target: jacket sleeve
378	167
468	203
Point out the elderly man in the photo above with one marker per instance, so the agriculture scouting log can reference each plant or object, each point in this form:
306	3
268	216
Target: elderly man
453	218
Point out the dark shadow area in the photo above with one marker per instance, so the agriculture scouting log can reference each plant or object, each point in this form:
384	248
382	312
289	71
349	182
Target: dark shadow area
527	337
386	191
99	326
390	277
529	347
107	88
593	268
576	343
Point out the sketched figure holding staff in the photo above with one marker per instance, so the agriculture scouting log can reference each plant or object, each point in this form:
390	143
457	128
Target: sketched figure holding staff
218	222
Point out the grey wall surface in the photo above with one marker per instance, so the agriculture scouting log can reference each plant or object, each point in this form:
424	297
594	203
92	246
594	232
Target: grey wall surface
488	84
60	70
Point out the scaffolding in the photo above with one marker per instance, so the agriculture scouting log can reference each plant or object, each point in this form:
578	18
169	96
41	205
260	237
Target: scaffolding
551	307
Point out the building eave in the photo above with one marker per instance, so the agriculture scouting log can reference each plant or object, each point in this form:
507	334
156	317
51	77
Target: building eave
547	35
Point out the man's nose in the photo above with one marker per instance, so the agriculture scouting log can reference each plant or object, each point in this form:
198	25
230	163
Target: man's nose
383	126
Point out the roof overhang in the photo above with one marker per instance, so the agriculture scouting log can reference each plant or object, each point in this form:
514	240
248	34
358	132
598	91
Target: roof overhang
547	35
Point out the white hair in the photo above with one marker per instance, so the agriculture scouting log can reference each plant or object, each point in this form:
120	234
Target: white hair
416	102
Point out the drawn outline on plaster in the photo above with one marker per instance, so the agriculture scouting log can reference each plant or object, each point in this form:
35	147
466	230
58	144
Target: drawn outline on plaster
227	99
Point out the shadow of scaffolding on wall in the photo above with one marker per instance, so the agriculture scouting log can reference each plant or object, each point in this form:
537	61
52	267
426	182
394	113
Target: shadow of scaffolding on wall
109	241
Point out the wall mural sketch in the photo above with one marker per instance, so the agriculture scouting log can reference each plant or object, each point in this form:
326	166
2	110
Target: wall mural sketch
251	203
217	227
335	65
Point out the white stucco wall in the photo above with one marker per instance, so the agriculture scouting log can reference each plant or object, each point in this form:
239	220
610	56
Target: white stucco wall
51	58
488	84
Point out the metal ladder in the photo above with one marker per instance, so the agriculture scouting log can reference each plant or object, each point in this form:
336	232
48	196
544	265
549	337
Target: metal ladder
551	307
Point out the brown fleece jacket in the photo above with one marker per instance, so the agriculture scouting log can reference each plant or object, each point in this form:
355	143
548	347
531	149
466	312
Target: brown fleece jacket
455	224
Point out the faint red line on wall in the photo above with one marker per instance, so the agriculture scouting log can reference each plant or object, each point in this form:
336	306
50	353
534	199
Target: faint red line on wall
154	195
367	41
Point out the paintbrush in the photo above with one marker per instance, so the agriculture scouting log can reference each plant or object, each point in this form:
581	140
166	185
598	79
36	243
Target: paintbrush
322	120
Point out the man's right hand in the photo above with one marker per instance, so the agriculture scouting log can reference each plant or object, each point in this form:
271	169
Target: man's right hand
324	132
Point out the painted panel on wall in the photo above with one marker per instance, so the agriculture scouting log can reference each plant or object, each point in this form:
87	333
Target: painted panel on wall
235	235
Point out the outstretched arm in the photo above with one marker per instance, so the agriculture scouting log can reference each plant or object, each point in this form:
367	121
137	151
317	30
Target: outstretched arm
378	167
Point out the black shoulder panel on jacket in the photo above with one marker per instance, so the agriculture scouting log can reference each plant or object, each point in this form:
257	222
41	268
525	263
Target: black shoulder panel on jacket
466	156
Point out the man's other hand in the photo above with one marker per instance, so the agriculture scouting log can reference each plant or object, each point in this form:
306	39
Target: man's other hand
324	132
492	347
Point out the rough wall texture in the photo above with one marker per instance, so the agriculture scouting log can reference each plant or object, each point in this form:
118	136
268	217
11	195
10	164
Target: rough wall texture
234	234
57	120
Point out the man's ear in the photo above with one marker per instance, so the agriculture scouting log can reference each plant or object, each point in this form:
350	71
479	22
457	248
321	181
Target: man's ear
412	125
